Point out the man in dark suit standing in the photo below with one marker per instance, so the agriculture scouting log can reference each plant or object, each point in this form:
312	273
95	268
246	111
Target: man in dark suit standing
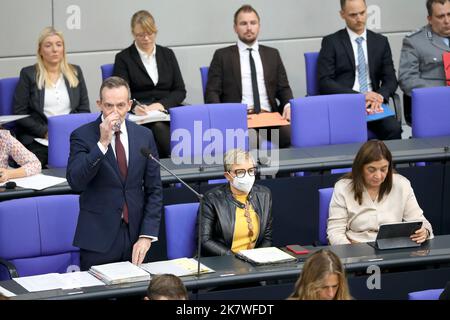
250	73
121	194
357	60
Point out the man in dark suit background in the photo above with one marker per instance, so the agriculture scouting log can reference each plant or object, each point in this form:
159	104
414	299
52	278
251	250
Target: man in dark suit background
340	70
121	194
230	77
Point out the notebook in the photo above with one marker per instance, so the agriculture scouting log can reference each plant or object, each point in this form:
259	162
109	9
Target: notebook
263	256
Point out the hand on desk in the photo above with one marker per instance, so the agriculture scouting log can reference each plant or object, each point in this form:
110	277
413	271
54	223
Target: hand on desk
420	235
4	175
140	250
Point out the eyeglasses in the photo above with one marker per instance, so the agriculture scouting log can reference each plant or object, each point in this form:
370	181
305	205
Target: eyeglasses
240	173
143	35
249	225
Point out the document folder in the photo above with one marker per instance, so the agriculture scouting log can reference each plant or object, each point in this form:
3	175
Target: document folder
387	112
264	256
266	119
446	59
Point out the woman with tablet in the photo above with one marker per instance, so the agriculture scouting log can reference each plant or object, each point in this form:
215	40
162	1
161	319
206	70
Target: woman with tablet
372	195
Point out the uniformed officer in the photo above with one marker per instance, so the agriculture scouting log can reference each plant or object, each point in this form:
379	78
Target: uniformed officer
421	63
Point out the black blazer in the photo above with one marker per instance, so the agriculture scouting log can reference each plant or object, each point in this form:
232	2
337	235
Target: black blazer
169	91
28	99
336	64
225	82
219	216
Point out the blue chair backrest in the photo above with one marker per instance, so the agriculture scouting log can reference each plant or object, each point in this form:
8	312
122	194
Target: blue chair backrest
7	90
107	70
180	222
312	82
36	234
430	112
59	130
204	76
324	207
203	125
432	294
328	119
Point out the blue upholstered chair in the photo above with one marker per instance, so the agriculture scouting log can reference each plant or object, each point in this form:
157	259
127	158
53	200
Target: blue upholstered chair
209	121
204	77
324	206
312	84
180	222
328	119
7	90
36	235
432	294
430	112
107	70
59	130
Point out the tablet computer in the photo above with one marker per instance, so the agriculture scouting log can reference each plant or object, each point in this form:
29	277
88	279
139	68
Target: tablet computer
396	235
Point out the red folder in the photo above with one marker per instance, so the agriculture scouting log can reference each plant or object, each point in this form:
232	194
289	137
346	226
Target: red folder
266	119
446	59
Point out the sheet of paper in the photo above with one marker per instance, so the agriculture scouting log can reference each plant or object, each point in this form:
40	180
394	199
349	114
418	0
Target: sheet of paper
44	142
41	282
266	255
6	293
38	182
10	118
179	267
72	280
152	116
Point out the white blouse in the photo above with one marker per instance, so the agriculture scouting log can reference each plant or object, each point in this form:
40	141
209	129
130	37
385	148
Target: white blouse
149	61
348	220
56	99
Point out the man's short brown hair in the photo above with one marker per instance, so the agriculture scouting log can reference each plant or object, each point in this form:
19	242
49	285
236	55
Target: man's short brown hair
343	2
166	286
245	8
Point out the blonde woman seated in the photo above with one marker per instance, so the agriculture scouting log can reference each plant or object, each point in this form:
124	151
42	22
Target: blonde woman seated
371	195
10	147
322	278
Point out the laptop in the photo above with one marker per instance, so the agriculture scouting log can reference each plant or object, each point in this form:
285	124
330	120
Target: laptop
396	235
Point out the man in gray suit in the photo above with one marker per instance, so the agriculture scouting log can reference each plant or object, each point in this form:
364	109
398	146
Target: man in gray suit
421	64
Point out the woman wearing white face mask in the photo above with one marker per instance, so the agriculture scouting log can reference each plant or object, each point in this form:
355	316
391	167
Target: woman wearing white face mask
238	215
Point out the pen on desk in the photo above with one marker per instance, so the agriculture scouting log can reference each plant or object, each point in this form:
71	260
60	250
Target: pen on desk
377	259
227	274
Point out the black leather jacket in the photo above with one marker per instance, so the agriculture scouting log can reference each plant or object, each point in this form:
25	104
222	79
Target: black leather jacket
219	211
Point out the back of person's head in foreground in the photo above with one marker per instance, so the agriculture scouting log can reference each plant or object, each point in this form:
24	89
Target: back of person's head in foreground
323	278
166	287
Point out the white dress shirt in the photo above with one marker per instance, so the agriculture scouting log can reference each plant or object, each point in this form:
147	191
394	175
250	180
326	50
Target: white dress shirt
353	37
246	76
56	99
124	140
349	220
149	61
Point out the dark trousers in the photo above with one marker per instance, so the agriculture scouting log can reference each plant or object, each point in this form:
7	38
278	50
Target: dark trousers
40	151
161	132
120	250
284	136
386	129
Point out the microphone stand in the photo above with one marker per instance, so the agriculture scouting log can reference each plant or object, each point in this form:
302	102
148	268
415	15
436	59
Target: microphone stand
200	199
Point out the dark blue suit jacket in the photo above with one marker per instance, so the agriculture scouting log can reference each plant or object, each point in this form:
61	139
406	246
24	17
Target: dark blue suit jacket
103	192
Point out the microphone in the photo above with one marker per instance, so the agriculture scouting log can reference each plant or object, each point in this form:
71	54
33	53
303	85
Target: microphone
10	185
146	152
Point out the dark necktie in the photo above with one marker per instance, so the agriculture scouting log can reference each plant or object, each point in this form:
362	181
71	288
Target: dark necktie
123	168
256	102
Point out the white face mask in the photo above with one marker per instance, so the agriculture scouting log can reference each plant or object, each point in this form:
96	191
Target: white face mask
244	184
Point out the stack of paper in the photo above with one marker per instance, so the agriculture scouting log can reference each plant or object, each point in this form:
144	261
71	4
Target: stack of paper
151	116
179	267
38	181
119	272
262	256
6	293
53	281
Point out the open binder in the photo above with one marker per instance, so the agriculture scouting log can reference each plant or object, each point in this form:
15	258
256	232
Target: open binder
264	256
